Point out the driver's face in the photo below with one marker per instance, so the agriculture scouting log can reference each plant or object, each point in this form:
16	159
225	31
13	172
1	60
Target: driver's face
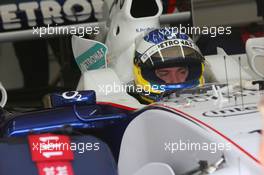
172	74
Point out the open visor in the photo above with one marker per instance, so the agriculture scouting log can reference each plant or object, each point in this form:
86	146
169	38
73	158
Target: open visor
169	56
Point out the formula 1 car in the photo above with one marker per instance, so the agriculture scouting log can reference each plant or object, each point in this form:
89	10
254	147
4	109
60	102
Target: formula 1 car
214	129
223	112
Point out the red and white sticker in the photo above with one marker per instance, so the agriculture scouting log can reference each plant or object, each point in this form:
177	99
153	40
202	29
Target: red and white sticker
55	168
49	147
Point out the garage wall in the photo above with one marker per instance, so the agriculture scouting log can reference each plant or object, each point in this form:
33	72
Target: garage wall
10	73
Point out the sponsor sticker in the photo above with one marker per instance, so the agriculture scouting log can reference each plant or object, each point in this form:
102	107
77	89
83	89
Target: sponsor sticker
167	44
93	58
232	111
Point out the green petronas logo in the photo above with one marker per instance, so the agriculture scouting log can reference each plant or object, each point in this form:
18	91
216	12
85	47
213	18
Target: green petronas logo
93	58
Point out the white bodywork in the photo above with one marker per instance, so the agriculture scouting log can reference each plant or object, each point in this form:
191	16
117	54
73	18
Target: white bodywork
195	119
124	27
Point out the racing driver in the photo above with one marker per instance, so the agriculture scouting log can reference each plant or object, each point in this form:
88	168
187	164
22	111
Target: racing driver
166	61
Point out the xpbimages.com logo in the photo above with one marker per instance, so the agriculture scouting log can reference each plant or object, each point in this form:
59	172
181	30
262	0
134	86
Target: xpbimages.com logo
81	31
49	145
187	145
45	148
117	88
189	30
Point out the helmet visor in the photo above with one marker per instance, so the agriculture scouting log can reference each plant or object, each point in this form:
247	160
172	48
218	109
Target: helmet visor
172	63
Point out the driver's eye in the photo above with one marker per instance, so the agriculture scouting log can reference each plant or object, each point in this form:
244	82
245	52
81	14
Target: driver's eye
163	73
183	71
